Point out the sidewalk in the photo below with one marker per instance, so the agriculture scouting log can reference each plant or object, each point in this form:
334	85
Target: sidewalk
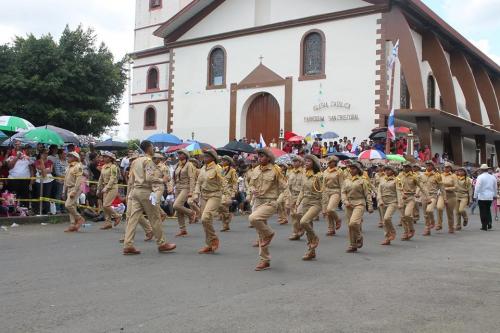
50	219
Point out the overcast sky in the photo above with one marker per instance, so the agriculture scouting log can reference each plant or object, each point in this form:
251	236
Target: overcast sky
113	21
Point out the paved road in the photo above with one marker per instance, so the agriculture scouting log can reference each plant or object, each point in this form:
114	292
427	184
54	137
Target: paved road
54	282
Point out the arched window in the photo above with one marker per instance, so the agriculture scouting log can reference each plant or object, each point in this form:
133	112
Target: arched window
217	68
312	56
404	93
431	92
152	79
150	118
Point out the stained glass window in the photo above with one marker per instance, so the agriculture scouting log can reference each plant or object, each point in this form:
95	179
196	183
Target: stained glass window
150	118
153	78
313	54
217	67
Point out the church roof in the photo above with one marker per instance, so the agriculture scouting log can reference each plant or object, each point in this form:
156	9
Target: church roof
261	75
197	10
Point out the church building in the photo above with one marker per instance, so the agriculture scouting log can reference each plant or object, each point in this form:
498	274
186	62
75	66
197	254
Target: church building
216	70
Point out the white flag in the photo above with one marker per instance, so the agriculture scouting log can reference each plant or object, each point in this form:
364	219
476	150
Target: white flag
262	143
391	61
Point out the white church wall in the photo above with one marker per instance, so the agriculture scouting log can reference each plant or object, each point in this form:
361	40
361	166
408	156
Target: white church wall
136	119
144	39
350	70
240	14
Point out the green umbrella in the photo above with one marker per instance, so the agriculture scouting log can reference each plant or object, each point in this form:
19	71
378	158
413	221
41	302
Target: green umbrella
397	158
11	125
43	135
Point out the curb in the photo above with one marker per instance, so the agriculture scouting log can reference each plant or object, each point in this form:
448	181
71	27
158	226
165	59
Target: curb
49	219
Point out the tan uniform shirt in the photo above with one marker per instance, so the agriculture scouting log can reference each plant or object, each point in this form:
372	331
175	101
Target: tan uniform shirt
408	183
377	179
295	182
433	183
210	182
332	180
142	173
449	183
161	172
73	178
356	191
463	187
109	178
312	189
184	177
267	182
231	180
387	191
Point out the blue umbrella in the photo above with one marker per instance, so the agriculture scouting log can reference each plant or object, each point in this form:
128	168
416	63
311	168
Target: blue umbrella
330	135
164	139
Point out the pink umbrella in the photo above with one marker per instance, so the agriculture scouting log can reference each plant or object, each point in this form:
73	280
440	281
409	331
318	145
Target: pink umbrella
173	149
296	138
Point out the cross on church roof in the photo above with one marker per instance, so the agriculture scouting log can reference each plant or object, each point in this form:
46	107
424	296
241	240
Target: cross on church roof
261	58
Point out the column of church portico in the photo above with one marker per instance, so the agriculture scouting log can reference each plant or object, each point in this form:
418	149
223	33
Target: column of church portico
456	141
424	131
481	145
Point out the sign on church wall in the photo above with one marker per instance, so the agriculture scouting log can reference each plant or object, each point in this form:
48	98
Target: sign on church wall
334	107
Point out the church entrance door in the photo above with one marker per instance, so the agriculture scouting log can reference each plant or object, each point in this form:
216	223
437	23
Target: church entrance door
263	117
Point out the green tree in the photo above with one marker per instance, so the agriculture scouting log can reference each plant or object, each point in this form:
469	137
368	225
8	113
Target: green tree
72	83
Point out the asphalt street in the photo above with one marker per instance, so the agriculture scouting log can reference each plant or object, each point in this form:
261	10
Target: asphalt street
56	282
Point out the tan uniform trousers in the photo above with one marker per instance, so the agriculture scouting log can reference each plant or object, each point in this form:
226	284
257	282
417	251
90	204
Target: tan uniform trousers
143	222
181	196
71	204
310	213
407	216
416	212
387	213
429	210
295	215
450	210
440	206
107	200
282	215
262	211
194	206
209	207
224	212
331	214
354	216
461	211
139	204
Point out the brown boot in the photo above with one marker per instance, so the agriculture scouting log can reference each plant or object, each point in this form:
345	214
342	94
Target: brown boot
427	231
351	249
167	247
117	219
71	228
181	233
386	242
224	229
149	236
314	244
262	266
205	250
466	222
405	237
310	255
411	234
439	228
106	226
360	243
338	224
215	245
392	236
451	230
458	228
293	237
330	232
130	251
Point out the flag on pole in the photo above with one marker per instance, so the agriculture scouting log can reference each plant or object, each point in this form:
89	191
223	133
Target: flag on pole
391	133
262	143
391	61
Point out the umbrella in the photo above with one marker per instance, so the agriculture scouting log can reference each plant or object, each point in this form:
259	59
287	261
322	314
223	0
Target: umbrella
296	138
330	135
111	145
67	136
289	135
204	146
403	130
173	149
43	135
226	152
313	135
371	154
344	156
11	125
164	139
285	159
194	148
277	152
239	147
397	158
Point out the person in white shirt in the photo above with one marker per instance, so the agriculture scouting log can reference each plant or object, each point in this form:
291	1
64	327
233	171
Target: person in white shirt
485	192
20	170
